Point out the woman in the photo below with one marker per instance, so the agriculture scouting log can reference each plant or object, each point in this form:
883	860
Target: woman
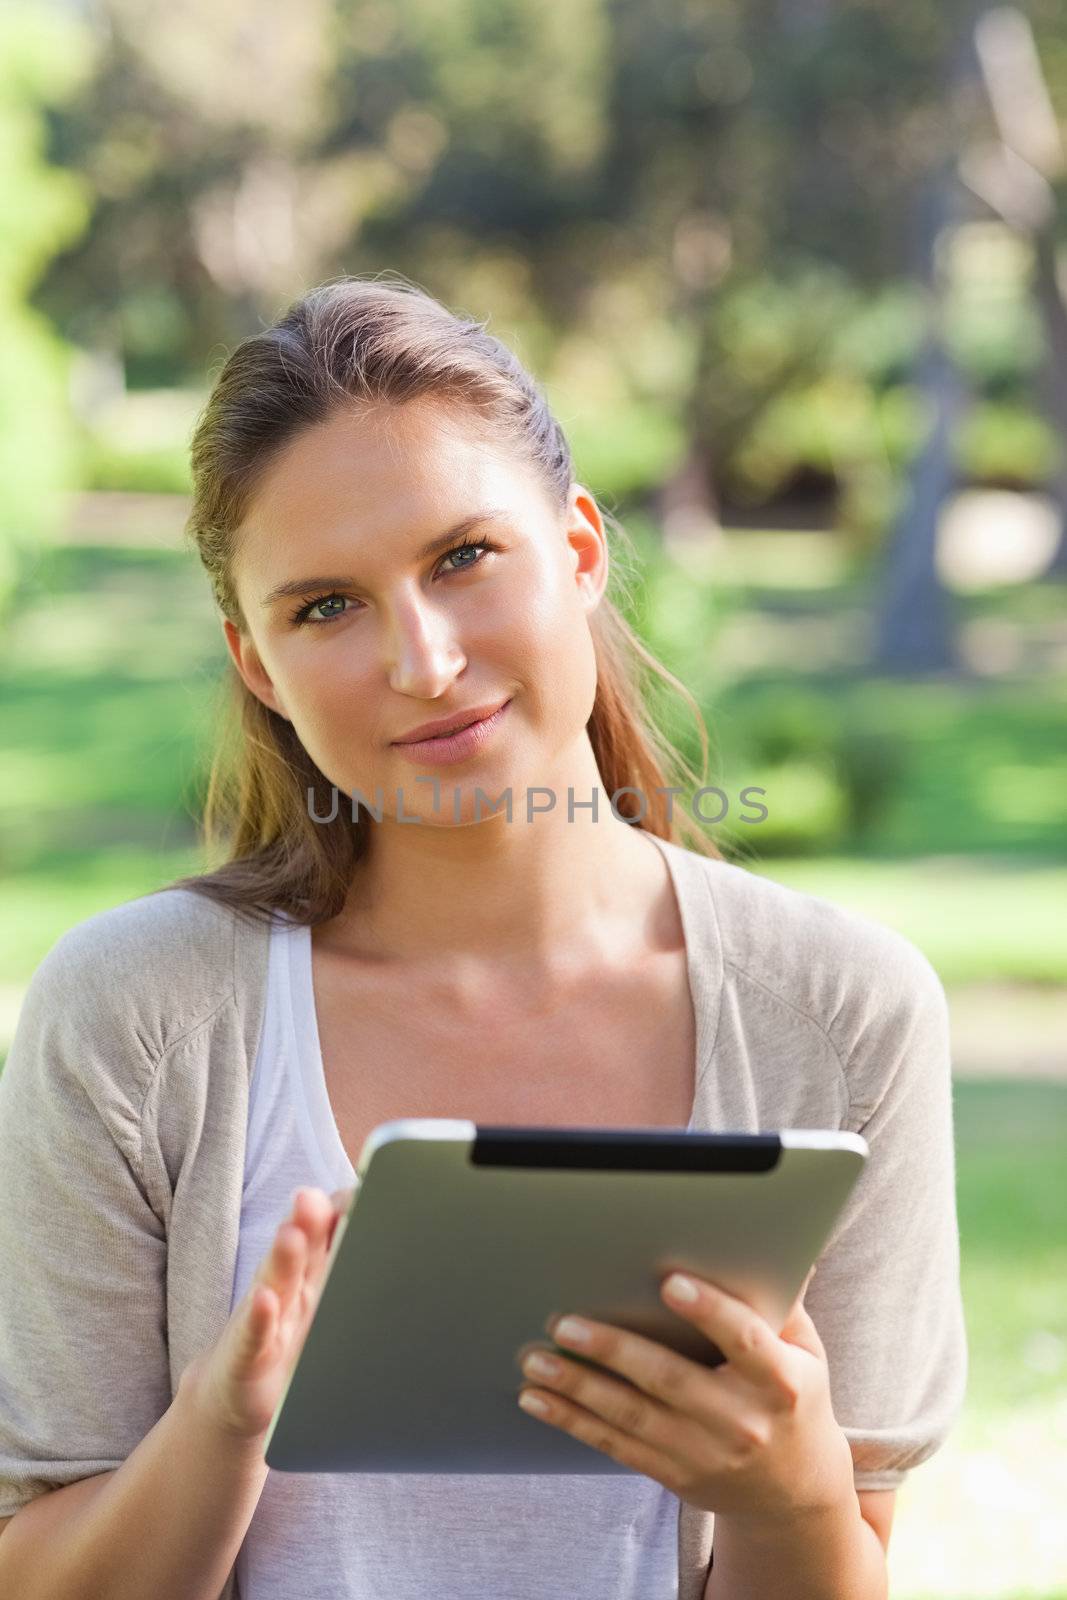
387	512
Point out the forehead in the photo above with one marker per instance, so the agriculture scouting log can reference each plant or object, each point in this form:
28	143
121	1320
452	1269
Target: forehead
387	470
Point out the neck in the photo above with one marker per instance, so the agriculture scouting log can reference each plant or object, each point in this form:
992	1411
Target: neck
533	898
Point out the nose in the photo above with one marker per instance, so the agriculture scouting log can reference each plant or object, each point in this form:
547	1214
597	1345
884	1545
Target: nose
423	654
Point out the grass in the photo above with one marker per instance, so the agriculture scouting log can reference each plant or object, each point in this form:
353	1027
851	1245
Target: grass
62	889
984	1516
976	918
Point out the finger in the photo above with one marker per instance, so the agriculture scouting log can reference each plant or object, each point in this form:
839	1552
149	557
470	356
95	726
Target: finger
261	1312
314	1211
680	1384
311	1209
283	1269
254	1331
630	1410
605	1436
341	1200
746	1339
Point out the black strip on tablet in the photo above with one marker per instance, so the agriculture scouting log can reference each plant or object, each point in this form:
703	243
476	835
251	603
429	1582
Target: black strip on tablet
611	1150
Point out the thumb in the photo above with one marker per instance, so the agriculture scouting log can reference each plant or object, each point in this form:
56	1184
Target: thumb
341	1199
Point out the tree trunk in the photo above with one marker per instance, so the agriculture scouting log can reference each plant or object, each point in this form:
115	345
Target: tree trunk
1027	196
687	504
688	507
1049	298
913	629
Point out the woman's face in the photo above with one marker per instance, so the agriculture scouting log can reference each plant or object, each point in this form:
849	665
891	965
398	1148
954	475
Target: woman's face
396	637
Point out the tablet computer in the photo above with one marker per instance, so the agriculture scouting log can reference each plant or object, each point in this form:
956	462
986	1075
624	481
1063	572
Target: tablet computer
462	1241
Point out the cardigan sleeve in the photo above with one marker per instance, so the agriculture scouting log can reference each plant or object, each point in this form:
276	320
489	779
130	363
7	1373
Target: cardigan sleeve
886	1297
83	1338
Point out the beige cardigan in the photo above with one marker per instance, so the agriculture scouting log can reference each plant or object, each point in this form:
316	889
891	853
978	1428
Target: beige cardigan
123	1110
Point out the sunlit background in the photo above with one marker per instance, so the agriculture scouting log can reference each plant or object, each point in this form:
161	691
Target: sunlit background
790	272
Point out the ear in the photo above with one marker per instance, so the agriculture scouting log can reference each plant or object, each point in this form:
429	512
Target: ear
587	546
252	671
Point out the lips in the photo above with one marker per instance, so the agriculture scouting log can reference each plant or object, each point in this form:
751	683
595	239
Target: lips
448	750
445	732
442	730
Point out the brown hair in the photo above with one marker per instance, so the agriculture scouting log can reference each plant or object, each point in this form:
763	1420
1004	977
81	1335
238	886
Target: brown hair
346	343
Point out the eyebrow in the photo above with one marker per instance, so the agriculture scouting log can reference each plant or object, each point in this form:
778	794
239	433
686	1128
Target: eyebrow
297	586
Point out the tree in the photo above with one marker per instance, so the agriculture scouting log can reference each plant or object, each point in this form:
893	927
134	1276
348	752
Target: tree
1022	179
913	631
42	58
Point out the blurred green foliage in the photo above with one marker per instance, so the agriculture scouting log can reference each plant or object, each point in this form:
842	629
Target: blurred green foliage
42	60
763	302
110	464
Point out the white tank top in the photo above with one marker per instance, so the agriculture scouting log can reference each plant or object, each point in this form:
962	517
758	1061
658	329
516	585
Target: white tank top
406	1536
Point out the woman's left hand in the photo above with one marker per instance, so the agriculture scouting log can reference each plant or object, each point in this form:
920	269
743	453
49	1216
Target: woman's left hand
754	1436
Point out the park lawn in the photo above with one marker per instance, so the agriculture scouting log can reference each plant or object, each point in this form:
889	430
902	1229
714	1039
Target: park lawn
984	1515
975	917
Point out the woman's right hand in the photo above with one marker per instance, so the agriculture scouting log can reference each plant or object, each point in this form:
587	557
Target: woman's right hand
241	1379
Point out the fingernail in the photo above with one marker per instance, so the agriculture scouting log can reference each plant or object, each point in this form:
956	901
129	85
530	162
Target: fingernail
571	1328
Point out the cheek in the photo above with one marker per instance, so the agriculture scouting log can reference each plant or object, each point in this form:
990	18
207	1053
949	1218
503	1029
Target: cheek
554	654
337	712
547	611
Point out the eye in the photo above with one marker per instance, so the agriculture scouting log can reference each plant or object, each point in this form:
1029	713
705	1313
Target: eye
302	614
461	549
